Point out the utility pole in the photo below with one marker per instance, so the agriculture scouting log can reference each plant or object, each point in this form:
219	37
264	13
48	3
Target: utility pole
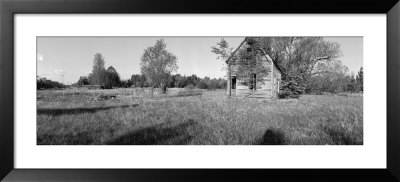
62	81
62	78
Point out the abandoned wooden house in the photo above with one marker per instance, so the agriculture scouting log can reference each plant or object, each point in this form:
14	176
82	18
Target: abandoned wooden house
238	85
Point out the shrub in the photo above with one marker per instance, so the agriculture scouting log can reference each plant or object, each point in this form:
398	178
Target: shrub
190	86
202	85
291	88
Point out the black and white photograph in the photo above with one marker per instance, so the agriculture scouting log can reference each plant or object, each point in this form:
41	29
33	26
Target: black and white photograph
200	90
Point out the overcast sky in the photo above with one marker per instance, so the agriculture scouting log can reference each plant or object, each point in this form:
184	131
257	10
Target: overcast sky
73	56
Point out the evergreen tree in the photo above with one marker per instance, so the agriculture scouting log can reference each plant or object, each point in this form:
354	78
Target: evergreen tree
360	80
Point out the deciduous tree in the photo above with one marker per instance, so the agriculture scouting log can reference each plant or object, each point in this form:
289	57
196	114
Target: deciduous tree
98	70
299	57
223	52
83	80
157	64
111	78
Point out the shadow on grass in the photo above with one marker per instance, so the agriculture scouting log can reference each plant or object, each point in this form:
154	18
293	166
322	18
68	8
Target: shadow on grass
185	94
272	137
161	134
59	111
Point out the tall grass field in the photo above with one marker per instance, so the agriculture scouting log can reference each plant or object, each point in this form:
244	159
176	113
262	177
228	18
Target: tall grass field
194	117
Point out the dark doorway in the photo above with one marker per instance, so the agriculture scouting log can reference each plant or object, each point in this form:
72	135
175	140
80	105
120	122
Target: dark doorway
233	82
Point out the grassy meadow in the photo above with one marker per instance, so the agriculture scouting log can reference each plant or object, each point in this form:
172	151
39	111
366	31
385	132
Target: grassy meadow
194	117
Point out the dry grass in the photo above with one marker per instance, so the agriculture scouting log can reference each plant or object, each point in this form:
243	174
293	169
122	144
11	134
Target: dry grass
195	117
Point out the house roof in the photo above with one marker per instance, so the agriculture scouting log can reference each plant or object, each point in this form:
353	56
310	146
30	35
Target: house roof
264	53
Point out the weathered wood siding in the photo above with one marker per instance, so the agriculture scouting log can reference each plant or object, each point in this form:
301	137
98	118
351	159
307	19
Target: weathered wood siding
263	89
275	85
266	89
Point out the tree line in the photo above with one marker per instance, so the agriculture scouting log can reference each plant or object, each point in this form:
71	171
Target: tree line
179	81
157	66
44	83
140	80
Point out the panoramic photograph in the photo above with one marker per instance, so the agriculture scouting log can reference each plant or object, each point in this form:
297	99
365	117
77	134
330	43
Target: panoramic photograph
199	90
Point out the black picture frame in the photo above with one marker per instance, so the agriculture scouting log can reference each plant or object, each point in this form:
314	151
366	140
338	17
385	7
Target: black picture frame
9	8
